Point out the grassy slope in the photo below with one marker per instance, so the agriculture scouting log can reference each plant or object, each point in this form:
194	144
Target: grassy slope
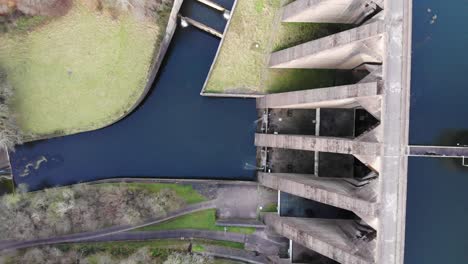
78	72
205	220
240	61
185	192
240	66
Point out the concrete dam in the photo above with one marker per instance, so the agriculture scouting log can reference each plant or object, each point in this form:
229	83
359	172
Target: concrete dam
345	147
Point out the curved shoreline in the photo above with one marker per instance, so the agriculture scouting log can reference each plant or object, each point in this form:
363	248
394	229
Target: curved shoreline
158	57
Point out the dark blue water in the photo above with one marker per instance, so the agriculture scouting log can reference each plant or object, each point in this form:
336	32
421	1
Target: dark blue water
439	90
436	212
175	133
437	207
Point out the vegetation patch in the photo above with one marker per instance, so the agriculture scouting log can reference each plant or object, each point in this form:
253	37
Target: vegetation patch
167	251
80	208
131	252
254	32
81	70
6	186
184	191
205	220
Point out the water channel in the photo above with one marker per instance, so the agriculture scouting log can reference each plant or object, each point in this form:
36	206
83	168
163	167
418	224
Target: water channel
175	133
437	211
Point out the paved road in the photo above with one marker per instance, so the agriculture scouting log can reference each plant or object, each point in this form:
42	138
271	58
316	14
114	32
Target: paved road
253	241
12	245
172	234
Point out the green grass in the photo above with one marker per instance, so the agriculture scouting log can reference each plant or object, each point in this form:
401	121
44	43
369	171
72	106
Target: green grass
285	80
26	23
198	248
269	208
185	192
205	220
78	72
247	42
158	248
241	66
292	34
6	186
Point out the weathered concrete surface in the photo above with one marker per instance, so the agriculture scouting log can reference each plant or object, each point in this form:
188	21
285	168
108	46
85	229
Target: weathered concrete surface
331	97
237	202
235	254
212	5
373	76
335	239
344	50
332	191
328	11
374	135
395	122
240	223
438	151
322	144
301	254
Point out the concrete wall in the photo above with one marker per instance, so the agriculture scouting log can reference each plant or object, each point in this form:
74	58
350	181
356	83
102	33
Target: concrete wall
331	238
344	50
334	192
322	144
327	11
330	97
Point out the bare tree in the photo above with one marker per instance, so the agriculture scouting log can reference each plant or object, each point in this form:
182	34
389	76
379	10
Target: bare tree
10	133
81	208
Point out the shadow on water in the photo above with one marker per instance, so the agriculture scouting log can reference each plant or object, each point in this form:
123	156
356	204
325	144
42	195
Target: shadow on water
455	138
174	133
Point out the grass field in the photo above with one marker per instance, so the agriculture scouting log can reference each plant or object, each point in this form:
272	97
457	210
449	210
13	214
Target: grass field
254	32
205	220
78	72
185	192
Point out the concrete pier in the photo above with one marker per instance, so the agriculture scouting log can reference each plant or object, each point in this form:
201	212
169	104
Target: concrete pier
329	11
344	50
335	239
438	151
212	5
336	192
202	26
346	96
322	144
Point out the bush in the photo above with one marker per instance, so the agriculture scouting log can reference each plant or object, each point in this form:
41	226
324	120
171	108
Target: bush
80	208
44	7
10	133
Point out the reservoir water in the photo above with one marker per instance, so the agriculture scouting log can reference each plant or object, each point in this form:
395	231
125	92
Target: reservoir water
174	133
437	208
